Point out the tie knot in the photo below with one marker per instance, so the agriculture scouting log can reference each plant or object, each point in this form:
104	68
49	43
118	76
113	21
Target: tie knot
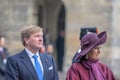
35	56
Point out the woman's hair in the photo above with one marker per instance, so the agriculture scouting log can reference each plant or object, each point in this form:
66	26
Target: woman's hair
26	31
83	58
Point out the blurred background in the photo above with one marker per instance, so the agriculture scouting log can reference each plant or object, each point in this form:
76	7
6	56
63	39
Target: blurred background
67	15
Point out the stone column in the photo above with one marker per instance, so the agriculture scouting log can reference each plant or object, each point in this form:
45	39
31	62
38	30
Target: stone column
115	37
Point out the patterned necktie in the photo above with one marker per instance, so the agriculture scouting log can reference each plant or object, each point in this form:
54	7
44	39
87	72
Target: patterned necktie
38	68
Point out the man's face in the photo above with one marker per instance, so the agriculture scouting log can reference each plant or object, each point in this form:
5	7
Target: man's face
2	42
50	49
35	41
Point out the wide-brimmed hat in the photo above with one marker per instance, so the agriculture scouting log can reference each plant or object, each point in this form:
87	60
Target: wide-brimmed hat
89	41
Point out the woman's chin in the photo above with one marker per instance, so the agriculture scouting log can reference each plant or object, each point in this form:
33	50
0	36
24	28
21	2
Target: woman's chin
94	58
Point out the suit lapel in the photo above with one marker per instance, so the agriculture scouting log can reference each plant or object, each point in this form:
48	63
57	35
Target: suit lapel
27	62
45	62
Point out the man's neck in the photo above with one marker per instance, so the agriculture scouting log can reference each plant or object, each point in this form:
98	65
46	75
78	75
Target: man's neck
33	50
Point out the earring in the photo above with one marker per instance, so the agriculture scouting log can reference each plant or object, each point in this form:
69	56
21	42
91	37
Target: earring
86	56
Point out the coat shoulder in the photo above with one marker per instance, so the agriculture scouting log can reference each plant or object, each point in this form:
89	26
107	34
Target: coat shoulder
16	56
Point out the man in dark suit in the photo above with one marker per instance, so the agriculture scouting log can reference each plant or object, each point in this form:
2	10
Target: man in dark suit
29	64
60	50
3	57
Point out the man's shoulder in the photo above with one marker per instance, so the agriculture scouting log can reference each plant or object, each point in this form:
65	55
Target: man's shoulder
16	56
46	55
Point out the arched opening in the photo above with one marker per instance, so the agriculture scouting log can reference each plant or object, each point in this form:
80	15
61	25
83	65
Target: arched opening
40	15
52	16
60	42
61	19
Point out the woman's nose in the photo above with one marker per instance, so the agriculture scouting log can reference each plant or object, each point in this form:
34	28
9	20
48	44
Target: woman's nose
99	50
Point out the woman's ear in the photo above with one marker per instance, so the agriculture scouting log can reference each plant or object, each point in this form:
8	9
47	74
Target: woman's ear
86	56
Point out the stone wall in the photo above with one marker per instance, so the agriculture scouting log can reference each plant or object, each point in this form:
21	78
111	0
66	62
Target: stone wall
13	15
103	14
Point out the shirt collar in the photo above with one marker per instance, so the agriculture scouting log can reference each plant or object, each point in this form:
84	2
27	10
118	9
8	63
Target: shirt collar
1	49
30	54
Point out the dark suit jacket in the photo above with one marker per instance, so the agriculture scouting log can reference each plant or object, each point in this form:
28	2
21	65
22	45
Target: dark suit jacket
2	65
20	67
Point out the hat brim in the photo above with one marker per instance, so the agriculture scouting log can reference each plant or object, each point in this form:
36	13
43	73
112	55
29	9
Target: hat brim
102	39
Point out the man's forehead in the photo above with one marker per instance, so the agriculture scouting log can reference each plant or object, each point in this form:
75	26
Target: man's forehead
35	33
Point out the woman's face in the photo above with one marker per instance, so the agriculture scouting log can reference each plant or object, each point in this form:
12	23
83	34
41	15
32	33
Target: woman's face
94	53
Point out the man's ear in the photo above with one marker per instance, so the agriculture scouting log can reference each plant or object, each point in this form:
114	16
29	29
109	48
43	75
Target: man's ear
26	40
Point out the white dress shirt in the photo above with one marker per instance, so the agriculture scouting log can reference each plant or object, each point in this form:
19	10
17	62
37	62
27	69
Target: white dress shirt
1	49
30	54
4	59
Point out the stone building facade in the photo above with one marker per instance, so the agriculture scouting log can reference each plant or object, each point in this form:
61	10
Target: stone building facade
70	15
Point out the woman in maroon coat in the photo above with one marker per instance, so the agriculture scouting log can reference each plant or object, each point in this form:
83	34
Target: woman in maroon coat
89	67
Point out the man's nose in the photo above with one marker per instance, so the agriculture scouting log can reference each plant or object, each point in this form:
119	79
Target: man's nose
41	38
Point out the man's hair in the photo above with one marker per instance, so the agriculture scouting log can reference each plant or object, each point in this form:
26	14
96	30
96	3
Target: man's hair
1	36
26	31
